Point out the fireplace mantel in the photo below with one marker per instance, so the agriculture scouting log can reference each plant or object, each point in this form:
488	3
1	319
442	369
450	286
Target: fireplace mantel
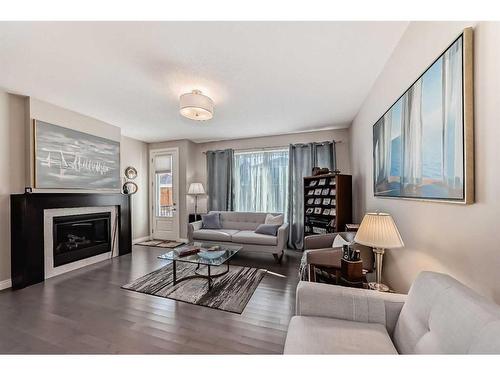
27	228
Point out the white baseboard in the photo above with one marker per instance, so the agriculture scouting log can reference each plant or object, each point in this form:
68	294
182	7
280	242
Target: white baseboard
140	239
5	284
183	240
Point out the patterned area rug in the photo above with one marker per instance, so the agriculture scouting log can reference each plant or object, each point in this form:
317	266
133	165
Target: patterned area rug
230	292
161	243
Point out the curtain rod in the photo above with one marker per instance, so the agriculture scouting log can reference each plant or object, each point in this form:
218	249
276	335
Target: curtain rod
271	147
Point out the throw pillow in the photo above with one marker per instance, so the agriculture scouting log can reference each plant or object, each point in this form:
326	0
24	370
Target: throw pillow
339	241
276	220
211	221
269	229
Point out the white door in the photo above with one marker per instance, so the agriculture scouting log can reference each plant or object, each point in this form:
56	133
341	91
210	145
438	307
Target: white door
164	194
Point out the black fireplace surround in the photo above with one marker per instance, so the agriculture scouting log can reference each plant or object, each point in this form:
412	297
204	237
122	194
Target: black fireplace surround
88	237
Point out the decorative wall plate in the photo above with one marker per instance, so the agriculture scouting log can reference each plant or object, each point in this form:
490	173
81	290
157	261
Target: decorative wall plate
131	173
129	188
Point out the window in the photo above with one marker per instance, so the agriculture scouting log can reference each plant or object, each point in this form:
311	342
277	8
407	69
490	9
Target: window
261	181
163	185
164	194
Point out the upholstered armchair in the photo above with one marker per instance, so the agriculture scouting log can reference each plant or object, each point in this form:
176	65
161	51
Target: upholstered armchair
318	252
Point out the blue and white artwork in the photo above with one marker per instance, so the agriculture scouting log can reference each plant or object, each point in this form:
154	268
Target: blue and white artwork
418	144
69	159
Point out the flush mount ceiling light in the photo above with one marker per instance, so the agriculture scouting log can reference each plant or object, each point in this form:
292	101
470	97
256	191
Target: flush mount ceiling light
196	106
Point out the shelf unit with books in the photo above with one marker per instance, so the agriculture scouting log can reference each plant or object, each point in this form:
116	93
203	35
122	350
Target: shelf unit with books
327	203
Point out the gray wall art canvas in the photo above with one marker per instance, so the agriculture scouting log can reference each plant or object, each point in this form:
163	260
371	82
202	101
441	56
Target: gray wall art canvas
418	144
69	159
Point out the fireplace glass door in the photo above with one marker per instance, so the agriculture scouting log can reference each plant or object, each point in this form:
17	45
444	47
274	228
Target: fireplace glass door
78	237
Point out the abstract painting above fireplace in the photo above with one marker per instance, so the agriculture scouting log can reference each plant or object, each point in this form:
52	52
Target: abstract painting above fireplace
69	159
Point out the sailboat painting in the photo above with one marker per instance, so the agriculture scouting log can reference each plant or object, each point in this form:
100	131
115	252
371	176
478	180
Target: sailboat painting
419	144
69	159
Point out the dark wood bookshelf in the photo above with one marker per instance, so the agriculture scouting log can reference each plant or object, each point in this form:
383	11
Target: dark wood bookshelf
327	211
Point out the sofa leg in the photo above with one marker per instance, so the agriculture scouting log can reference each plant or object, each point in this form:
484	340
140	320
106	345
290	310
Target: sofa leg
278	258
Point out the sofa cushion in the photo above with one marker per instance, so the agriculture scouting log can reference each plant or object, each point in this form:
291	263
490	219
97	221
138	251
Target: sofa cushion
269	229
214	234
276	220
241	220
315	335
250	237
211	221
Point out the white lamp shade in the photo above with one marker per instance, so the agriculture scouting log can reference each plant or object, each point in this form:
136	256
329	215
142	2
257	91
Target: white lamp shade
196	106
196	188
379	230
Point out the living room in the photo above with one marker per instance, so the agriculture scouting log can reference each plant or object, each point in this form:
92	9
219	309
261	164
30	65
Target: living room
264	187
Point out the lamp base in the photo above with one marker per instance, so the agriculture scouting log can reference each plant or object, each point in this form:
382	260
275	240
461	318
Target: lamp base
378	286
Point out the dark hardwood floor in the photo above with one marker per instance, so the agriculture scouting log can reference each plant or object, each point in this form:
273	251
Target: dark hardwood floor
86	311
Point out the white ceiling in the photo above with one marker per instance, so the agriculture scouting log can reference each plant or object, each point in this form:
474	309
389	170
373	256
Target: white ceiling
264	77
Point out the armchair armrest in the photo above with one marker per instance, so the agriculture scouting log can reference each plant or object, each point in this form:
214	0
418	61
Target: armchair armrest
282	236
324	257
319	241
360	305
195	225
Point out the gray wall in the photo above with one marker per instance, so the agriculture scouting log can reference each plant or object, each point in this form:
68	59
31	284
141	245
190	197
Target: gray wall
16	113
134	153
463	241
13	116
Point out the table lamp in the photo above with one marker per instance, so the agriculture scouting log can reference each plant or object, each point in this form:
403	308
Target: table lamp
196	189
378	230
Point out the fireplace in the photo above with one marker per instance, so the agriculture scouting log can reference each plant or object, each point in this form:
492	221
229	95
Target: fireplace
77	237
32	237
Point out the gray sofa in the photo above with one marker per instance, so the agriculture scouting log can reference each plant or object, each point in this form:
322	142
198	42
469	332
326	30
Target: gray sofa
438	316
238	228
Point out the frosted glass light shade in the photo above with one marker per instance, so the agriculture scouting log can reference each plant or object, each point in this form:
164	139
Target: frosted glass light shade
196	106
196	188
379	230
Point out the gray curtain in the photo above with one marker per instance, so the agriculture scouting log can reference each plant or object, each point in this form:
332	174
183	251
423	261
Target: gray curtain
302	158
220	180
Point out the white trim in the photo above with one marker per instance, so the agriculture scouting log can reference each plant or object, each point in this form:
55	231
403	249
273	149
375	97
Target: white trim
6	284
182	240
175	170
140	239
